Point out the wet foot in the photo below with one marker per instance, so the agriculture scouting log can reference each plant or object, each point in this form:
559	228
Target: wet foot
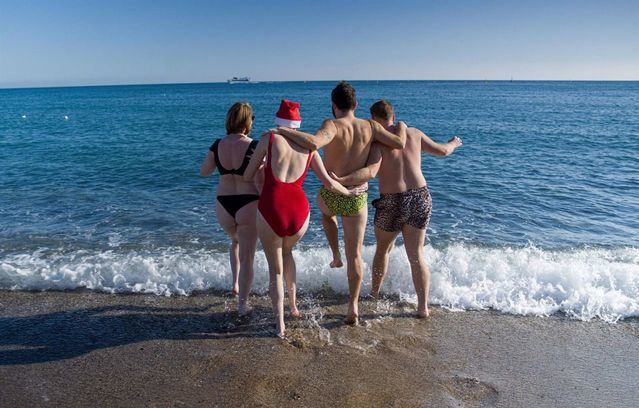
235	291
351	320
243	311
422	314
336	263
295	313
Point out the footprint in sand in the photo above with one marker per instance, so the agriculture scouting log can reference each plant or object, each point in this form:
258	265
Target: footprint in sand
471	392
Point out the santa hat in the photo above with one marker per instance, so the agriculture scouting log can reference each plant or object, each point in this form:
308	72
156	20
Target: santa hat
289	114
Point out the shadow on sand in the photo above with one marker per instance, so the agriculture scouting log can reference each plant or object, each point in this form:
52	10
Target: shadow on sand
66	334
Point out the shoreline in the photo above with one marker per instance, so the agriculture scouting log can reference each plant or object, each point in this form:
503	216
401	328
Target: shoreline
82	348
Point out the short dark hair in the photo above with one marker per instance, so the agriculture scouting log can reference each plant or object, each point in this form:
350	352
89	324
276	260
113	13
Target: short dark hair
343	96
382	109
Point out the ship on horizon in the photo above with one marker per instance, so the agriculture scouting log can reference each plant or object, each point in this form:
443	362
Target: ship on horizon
240	80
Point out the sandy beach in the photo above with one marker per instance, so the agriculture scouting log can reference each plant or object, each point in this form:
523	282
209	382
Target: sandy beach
85	348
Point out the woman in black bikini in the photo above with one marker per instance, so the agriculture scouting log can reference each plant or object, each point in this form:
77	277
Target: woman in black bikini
236	199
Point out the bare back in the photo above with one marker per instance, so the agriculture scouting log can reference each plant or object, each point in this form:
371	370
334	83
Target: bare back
231	153
349	149
288	160
401	169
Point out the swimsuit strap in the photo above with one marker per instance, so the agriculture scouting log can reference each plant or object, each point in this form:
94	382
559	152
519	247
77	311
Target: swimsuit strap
247	158
218	164
239	171
268	156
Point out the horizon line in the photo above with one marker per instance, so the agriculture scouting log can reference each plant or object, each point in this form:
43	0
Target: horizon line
313	80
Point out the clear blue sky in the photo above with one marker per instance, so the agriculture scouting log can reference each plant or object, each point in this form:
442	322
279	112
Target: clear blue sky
64	42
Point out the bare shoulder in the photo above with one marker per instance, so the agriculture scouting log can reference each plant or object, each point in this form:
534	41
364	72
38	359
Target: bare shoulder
414	132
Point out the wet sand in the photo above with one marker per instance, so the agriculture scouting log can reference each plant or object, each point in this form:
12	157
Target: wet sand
92	349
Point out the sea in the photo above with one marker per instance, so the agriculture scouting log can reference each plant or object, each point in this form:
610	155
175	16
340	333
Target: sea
536	214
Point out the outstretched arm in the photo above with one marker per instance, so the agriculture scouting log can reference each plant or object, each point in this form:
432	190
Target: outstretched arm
257	159
324	135
333	185
208	165
438	149
364	174
392	140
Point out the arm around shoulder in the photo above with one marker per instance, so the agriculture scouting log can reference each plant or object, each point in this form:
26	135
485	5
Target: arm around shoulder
257	159
324	135
392	140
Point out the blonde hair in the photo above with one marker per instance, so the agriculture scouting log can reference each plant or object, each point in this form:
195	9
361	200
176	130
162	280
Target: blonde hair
239	118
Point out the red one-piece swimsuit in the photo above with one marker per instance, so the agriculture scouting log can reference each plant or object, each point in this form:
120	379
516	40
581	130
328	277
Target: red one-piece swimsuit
284	206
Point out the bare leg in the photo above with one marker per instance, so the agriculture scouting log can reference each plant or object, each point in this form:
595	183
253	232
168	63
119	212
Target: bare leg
354	228
234	255
228	224
385	241
247	235
272	245
289	269
329	222
414	245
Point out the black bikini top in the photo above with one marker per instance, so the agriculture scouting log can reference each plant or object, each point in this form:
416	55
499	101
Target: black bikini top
239	171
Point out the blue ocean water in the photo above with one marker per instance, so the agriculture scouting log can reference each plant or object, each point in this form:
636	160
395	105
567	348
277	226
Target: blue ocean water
99	188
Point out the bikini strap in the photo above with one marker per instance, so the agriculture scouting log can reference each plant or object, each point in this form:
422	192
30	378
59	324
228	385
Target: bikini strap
218	164
247	158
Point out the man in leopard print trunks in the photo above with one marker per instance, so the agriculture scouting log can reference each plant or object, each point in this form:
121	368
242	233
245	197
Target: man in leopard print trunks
404	204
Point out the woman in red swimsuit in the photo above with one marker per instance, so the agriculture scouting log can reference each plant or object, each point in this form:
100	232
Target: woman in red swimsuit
283	209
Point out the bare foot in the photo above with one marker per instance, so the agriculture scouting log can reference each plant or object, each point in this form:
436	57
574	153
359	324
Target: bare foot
336	263
244	310
351	319
295	312
422	314
374	295
235	291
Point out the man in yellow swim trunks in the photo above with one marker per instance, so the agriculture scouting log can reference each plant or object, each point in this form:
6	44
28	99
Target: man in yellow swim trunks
347	142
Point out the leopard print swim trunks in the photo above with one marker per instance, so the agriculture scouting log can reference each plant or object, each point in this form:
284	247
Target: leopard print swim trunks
412	207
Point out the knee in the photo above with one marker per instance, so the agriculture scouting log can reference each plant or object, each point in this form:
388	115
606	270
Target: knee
355	260
381	254
416	259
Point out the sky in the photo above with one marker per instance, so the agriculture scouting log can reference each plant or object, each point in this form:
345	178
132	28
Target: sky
90	42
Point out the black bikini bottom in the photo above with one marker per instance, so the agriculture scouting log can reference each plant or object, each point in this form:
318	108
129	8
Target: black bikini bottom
233	203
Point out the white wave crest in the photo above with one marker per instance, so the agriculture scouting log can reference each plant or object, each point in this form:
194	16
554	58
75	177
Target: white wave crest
584	284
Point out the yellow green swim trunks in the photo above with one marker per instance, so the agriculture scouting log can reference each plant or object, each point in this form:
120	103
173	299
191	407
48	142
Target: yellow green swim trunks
343	205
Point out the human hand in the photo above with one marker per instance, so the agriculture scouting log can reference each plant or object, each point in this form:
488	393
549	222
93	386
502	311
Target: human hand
357	190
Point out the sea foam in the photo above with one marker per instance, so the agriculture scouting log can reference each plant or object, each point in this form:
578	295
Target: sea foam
584	283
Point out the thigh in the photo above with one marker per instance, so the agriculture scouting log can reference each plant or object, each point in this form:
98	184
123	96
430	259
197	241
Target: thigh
246	216
385	239
289	242
225	220
271	243
323	207
247	235
413	241
354	229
